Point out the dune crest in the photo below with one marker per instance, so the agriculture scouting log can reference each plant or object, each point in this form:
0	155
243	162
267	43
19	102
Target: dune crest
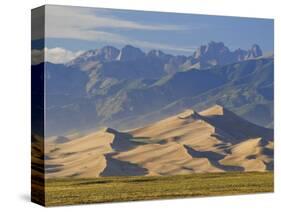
213	140
216	110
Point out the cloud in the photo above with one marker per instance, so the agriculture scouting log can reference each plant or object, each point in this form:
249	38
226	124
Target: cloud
37	56
53	55
89	24
60	55
85	23
77	22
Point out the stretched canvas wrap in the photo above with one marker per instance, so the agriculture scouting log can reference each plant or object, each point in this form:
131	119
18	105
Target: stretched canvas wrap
134	105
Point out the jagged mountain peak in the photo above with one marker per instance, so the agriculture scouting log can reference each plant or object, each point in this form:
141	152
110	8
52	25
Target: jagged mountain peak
109	52
106	53
254	51
130	52
207	55
157	53
216	46
212	49
217	53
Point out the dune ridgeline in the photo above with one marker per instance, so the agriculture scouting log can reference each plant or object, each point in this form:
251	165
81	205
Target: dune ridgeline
213	140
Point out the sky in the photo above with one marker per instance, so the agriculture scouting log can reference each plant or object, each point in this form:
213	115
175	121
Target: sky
69	31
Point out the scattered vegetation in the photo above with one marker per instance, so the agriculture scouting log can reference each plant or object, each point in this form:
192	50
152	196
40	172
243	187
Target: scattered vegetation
112	189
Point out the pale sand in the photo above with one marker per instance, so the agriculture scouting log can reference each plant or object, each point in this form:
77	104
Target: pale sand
213	111
166	159
247	154
83	157
188	142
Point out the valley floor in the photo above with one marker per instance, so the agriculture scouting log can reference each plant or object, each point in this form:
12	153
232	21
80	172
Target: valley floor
113	189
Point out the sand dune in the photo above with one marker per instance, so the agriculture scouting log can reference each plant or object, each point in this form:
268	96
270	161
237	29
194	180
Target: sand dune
37	157
166	159
232	126
248	154
214	140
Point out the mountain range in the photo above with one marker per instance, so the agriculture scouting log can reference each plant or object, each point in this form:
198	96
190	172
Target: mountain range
128	88
213	140
214	53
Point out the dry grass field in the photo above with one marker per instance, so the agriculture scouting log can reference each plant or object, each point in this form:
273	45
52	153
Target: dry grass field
114	189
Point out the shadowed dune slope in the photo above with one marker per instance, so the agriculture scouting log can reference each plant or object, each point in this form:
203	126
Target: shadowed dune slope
214	140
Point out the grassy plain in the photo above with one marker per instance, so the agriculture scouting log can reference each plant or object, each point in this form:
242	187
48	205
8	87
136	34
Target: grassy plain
114	189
